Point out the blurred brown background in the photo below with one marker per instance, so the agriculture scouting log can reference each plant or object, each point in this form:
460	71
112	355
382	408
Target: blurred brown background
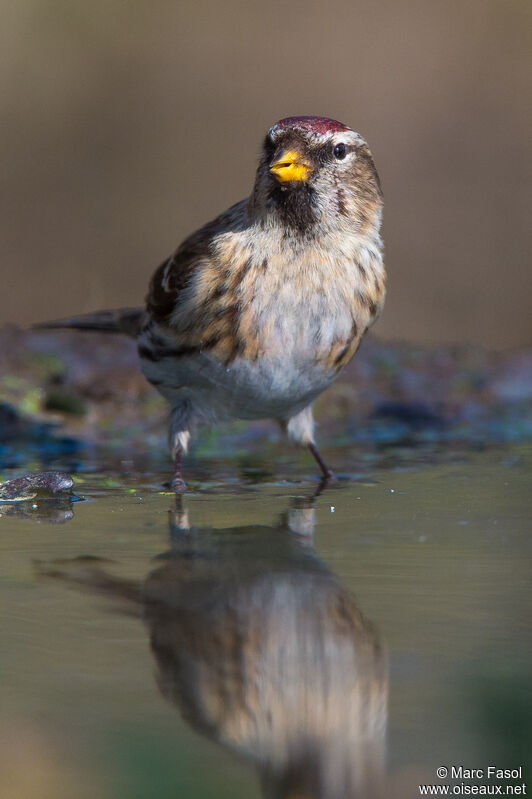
125	125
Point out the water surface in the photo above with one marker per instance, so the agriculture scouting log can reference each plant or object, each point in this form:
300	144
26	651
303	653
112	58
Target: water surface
259	640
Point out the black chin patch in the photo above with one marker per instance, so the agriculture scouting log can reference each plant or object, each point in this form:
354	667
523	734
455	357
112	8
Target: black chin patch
296	204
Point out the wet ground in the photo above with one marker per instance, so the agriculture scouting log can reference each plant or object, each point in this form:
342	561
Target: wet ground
262	638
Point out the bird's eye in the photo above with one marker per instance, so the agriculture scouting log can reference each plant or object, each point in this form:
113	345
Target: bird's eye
340	151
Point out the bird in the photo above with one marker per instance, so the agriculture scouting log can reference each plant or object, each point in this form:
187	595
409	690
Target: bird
256	313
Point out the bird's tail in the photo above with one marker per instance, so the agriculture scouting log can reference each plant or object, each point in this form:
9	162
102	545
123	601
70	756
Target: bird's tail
127	321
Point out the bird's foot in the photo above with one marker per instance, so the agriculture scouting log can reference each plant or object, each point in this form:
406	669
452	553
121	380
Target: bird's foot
178	485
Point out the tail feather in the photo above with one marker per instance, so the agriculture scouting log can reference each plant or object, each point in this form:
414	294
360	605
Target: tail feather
127	321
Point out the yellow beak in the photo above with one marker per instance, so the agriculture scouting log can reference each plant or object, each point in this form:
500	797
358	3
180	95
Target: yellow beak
290	166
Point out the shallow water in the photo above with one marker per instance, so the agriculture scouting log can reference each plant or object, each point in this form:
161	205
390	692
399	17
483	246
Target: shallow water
335	646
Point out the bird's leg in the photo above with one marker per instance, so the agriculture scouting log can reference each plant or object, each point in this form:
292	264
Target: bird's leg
178	438
178	484
300	428
328	474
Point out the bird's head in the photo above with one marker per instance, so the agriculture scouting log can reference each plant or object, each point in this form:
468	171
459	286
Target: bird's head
316	174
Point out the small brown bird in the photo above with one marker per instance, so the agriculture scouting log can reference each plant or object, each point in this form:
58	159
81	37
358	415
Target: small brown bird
256	313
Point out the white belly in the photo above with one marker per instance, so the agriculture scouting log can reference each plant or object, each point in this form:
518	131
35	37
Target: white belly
295	326
266	388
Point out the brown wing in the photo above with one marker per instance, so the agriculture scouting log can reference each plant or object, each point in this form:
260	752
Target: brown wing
175	274
171	277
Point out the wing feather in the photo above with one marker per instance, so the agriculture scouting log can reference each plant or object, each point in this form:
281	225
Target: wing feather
194	255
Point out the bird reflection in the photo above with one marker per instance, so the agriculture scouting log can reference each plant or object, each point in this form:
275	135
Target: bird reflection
263	651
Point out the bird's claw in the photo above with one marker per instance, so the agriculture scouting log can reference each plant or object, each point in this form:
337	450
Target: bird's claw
178	485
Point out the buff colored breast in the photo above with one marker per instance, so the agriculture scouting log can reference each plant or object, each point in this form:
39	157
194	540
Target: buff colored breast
283	330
